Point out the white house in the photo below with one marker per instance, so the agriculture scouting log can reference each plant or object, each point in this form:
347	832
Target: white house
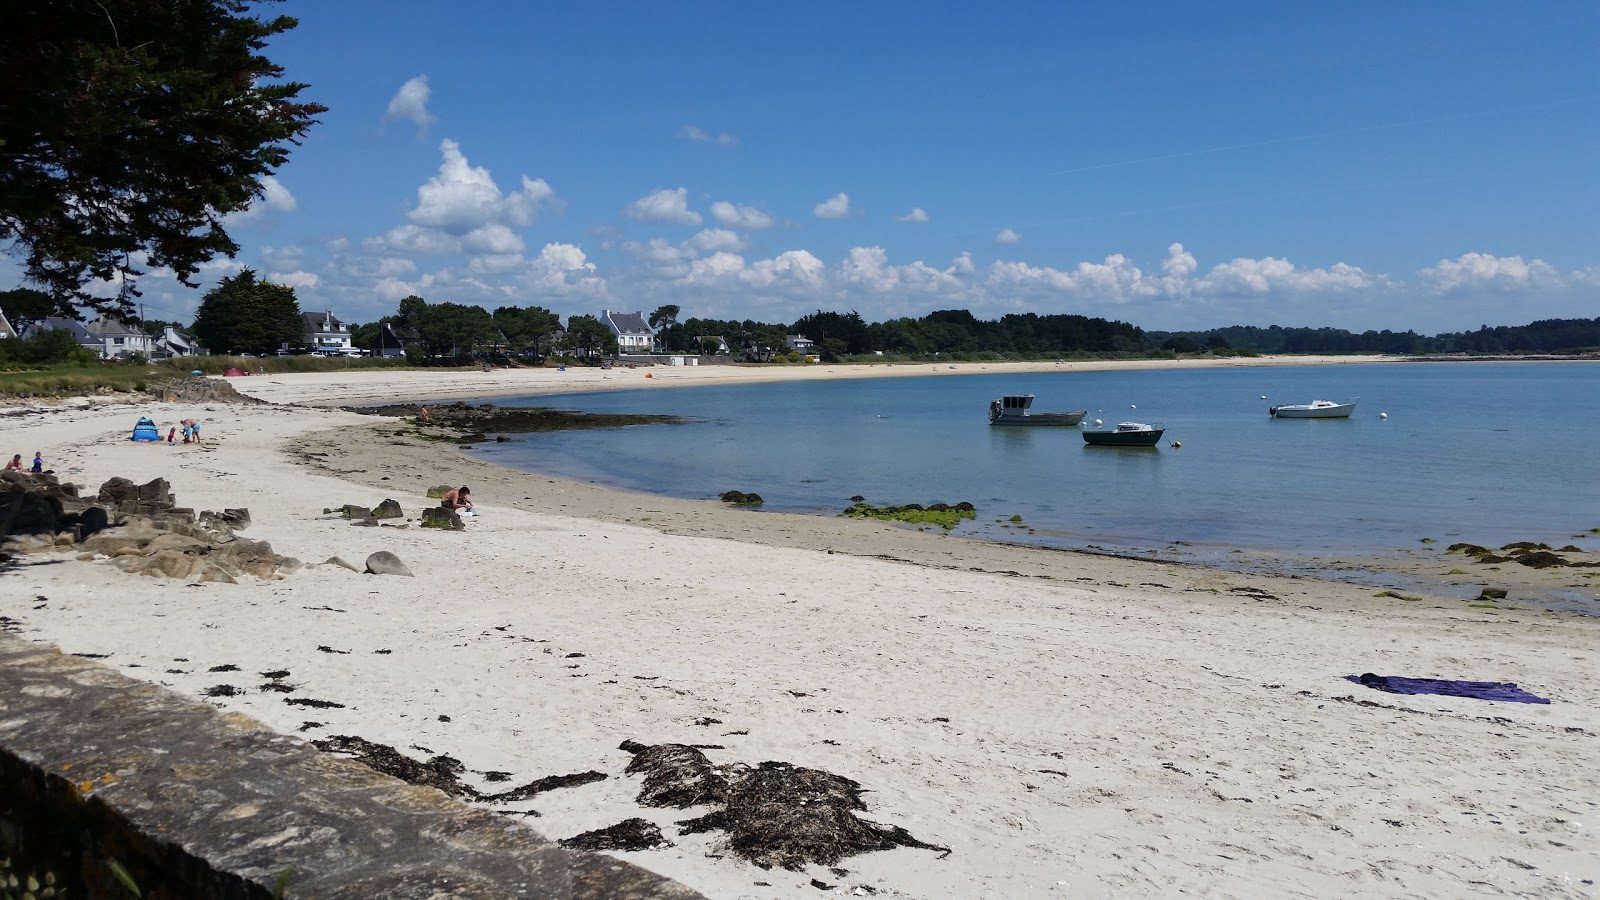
108	336
6	331
800	344
173	342
323	331
721	342
634	335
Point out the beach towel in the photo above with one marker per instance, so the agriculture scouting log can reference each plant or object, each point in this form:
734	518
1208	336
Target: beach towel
1503	691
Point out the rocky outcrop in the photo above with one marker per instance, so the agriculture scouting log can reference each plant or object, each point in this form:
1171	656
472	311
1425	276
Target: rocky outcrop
42	508
439	517
388	509
138	528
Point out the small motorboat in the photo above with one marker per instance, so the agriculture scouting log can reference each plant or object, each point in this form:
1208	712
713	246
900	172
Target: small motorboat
1126	434
1316	409
1013	409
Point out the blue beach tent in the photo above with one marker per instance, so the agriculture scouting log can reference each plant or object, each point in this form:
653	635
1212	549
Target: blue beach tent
145	430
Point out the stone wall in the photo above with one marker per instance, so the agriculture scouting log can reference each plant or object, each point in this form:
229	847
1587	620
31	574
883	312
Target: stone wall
100	773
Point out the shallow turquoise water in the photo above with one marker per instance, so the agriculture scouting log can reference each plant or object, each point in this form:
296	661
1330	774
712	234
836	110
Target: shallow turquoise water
1479	452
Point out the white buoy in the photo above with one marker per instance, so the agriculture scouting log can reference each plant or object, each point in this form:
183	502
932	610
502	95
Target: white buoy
1383	415
1263	396
1133	406
1097	422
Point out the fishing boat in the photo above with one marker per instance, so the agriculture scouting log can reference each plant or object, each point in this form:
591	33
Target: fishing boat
1126	434
1013	409
1316	409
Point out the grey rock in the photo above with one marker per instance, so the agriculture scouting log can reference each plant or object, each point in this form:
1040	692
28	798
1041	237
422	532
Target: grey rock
439	517
336	561
388	509
385	563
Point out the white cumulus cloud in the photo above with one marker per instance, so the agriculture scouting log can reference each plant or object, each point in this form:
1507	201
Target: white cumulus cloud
666	206
1007	237
835	207
410	103
917	215
1480	271
735	216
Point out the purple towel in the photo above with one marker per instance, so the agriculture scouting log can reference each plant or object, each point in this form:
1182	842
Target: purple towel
1504	691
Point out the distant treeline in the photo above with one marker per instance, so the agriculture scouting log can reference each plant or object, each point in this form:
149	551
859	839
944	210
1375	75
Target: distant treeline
954	331
1544	336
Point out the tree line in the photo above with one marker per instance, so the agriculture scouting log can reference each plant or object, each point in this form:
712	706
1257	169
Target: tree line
1542	336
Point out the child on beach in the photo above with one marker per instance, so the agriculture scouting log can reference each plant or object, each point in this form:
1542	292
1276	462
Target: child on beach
172	436
38	463
15	465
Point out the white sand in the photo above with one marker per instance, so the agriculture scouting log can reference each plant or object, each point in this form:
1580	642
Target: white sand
1114	728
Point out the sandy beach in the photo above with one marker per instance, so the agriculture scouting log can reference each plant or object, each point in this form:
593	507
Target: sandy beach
1069	725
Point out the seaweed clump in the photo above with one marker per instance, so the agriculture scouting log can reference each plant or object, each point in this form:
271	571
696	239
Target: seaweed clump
740	498
943	515
776	814
629	834
442	772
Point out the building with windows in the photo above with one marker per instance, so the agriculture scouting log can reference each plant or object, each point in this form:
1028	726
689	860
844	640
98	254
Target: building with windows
108	336
634	335
324	331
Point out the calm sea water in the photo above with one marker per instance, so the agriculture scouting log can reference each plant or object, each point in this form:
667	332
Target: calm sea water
1480	452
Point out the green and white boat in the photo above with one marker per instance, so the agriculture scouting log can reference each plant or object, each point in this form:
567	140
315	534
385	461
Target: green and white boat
1126	434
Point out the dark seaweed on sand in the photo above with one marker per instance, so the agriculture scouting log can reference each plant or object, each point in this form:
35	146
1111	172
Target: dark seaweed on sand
442	772
776	814
548	783
630	834
675	775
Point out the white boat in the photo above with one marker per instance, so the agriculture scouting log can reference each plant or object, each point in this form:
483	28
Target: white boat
1316	409
1013	409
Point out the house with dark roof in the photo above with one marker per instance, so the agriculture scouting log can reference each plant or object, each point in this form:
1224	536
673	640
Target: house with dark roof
800	344
389	344
634	334
108	336
700	341
324	331
173	342
6	331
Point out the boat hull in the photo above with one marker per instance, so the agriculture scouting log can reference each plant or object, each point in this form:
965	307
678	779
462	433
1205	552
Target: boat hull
1123	438
1048	418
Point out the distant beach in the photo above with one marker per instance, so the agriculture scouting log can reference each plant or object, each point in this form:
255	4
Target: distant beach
1068	724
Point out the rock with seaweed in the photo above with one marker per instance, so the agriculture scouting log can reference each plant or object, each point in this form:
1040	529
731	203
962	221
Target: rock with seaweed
477	421
740	498
944	515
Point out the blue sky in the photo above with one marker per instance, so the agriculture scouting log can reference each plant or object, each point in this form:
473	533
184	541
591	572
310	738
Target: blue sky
1428	165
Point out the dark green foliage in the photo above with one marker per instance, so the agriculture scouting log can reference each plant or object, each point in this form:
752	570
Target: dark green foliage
28	305
132	127
1544	336
590	336
243	314
43	349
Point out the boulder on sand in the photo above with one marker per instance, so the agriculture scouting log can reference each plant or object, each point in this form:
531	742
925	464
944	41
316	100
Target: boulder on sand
439	517
388	509
385	563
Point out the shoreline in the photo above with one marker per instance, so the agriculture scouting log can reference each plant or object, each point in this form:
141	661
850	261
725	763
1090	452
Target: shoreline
1060	720
377	387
